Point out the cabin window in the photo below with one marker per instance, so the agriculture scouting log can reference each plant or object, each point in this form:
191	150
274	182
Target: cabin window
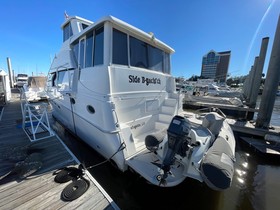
146	56
89	50
166	66
155	58
138	53
98	46
82	53
84	26
51	79
120	55
67	32
60	77
76	51
63	80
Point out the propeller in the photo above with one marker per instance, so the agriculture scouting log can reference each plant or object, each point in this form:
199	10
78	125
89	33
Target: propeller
178	142
165	167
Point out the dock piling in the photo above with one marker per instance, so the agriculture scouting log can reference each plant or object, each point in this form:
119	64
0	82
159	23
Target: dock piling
271	83
251	80
258	73
11	76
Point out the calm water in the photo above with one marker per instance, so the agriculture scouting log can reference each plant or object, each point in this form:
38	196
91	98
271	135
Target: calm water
255	185
275	118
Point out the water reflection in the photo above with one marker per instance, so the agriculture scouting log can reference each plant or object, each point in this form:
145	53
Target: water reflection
255	184
275	117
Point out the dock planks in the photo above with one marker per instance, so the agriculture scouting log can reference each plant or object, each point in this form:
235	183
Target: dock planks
39	190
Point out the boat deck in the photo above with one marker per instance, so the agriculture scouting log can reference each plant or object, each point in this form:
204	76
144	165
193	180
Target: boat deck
39	190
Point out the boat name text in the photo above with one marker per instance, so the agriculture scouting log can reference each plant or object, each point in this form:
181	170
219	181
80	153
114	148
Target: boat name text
148	81
137	125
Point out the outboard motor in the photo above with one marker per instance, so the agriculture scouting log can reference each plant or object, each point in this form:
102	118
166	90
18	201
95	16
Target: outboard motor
178	141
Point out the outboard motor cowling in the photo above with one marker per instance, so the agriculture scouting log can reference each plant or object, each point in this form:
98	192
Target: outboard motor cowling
178	132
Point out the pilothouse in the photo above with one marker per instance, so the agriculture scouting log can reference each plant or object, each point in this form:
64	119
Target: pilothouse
111	85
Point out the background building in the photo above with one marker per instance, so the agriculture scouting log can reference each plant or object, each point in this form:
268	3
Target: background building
215	65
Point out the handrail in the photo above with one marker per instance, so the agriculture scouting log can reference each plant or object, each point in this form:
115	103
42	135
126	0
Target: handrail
35	117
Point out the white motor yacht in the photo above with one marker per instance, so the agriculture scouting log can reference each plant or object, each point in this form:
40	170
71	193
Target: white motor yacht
111	85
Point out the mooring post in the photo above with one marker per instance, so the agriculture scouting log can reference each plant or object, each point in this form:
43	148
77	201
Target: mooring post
246	86
271	83
258	74
11	77
252	80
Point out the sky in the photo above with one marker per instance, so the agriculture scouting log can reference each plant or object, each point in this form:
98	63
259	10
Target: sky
31	35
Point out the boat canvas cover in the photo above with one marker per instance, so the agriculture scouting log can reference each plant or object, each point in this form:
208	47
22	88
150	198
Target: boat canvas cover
218	165
36	82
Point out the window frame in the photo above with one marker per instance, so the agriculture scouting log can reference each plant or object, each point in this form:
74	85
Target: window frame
165	57
83	39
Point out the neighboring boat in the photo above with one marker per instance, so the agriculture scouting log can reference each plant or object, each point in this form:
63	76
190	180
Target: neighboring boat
34	90
111	85
21	80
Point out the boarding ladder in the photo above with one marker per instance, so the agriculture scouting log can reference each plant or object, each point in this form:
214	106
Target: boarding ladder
35	121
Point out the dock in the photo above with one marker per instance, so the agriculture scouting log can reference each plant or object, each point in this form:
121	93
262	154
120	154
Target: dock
39	190
231	110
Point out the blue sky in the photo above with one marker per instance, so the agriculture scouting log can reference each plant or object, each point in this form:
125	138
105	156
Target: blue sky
30	30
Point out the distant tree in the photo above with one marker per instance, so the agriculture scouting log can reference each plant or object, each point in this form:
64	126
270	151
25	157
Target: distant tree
229	81
236	80
179	79
194	78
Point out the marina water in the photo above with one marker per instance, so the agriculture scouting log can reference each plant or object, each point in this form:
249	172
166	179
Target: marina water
275	118
255	184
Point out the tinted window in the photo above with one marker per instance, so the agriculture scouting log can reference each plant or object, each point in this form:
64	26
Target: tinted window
89	52
60	77
63	81
52	79
120	55
82	53
76	51
22	75
98	46
138	53
67	31
84	26
155	58
167	66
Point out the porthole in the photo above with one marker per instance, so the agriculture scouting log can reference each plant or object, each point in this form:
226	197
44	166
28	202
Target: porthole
72	100
90	109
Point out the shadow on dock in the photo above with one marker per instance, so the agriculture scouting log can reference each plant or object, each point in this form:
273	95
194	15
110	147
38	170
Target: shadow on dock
28	169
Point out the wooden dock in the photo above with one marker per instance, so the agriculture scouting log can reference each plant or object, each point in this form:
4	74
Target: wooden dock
229	109
39	190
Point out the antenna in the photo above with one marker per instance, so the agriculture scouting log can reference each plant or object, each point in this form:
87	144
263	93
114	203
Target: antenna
65	15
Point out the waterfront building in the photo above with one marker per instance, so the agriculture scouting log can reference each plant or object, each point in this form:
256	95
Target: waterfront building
215	65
